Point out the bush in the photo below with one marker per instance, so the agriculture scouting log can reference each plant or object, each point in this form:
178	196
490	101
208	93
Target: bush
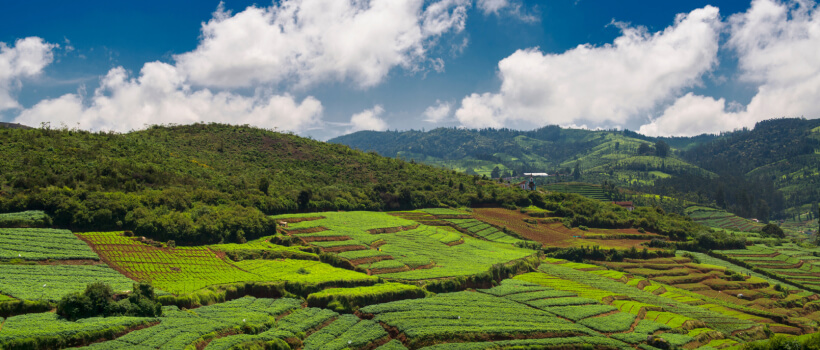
98	299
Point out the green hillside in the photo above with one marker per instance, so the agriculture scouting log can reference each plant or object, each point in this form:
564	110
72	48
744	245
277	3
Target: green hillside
205	183
769	172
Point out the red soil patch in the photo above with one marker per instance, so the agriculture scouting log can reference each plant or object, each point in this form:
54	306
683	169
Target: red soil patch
343	248
369	260
324	238
460	241
297	231
295	220
553	234
392	229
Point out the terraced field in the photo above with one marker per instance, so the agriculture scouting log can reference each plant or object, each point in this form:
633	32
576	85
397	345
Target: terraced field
721	219
727	291
790	262
586	190
187	269
643	304
552	233
397	248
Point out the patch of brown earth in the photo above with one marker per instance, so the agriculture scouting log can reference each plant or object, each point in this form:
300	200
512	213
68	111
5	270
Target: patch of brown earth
309	239
297	231
376	231
370	259
343	248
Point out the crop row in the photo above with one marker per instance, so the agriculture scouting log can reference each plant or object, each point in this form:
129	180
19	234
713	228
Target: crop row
51	282
187	269
47	330
42	244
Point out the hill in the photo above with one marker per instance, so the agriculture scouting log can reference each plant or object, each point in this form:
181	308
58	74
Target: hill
205	183
762	173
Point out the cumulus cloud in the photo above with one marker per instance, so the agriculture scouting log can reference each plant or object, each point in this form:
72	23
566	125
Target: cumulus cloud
291	43
368	119
304	42
160	95
437	113
26	58
777	44
609	84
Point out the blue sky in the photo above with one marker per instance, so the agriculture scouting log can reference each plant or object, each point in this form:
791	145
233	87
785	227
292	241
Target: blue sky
323	68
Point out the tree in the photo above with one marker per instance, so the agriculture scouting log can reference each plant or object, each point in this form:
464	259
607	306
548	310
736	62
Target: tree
773	230
576	174
617	146
304	199
264	185
496	173
644	149
661	149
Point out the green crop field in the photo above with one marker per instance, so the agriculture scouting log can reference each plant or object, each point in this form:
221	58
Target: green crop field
30	218
187	269
51	282
586	190
426	252
480	229
722	219
42	244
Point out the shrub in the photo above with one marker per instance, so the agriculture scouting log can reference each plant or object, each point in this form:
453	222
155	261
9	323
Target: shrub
98	299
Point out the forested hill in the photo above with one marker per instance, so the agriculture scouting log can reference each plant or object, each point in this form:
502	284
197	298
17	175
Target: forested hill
786	151
204	183
770	171
550	148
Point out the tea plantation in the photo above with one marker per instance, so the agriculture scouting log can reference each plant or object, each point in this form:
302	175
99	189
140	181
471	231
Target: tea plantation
425	279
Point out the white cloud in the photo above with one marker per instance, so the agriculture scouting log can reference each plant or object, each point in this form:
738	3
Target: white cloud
437	113
492	6
26	58
777	46
368	120
160	95
513	8
611	84
305	42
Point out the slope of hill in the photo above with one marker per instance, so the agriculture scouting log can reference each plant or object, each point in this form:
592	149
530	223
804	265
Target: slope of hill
205	183
786	151
548	149
768	172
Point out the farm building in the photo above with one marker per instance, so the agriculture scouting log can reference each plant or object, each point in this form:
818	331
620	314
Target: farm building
626	205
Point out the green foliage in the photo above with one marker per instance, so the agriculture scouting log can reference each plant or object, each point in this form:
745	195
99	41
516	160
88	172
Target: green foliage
773	230
49	331
351	299
465	316
52	282
42	244
204	183
98	300
29	218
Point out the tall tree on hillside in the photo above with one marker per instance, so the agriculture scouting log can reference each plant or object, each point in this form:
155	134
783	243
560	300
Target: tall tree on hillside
577	173
496	173
644	149
661	149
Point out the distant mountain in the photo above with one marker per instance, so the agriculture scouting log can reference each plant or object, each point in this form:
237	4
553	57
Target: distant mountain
549	149
756	173
13	126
